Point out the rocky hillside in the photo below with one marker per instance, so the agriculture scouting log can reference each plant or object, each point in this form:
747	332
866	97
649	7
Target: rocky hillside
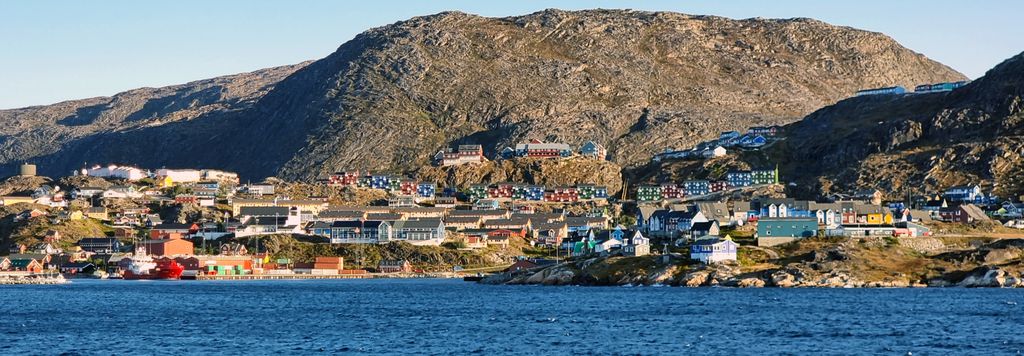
545	172
637	82
916	143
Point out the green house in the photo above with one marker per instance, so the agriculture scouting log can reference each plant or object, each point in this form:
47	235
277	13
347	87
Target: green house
648	193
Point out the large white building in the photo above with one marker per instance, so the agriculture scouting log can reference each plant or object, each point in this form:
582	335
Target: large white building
114	171
180	175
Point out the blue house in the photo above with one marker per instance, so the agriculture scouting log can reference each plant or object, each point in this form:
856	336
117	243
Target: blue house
426	189
380	181
963	193
787	227
739	178
697	187
752	141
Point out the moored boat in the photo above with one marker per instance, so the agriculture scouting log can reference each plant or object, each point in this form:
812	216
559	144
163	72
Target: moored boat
142	266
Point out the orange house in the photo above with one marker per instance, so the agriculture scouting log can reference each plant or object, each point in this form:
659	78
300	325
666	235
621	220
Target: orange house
168	247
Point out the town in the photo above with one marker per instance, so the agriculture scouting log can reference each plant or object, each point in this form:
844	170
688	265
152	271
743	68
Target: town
205	224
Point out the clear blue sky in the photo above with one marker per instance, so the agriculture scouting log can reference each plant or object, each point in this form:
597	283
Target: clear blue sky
59	50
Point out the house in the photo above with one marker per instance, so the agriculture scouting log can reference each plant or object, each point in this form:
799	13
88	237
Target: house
419	232
671	191
697	187
591	149
426	190
98	213
715	211
445	202
100	245
638	245
561	195
25	265
463	154
550	233
895	90
704	228
728	138
718	186
370	231
394	266
521	265
113	171
463	222
29	214
964	214
343	178
718	151
763	130
673	223
740	213
402	201
752	141
764	176
172	230
319	228
963	193
233	249
776	231
590	191
78	268
487	204
259	189
648	193
1012	210
711	251
738	179
51	236
935	204
539	149
870	196
86	192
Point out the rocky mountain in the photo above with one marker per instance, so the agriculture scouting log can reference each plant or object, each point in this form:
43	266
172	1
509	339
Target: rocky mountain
637	82
916	143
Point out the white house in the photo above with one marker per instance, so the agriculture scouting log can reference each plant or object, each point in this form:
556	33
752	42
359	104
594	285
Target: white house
638	245
718	151
712	250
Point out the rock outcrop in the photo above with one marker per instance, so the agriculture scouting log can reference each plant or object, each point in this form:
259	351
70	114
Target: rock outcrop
915	143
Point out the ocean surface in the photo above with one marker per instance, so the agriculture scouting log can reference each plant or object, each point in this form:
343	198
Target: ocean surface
426	316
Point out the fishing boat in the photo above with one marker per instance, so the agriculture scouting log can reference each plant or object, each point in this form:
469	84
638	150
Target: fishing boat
142	266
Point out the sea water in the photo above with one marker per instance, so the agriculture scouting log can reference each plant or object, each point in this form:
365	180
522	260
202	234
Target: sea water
428	316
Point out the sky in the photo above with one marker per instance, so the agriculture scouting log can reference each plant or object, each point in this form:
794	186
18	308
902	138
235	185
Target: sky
53	50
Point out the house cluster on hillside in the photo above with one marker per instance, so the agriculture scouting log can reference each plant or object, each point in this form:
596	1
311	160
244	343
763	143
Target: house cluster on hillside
777	220
537	193
540	149
753	139
920	89
700	187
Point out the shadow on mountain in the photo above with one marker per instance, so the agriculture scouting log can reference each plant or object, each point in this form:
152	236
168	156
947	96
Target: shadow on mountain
85	115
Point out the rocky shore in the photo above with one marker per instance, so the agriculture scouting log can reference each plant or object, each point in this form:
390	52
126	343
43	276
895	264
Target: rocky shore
33	279
839	264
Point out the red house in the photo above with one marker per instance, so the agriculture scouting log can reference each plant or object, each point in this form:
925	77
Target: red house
718	186
343	178
671	191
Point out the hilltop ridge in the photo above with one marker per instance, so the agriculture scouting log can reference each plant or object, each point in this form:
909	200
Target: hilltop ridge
637	82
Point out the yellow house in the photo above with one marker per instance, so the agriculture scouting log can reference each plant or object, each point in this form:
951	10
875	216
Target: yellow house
98	213
11	200
164	181
76	215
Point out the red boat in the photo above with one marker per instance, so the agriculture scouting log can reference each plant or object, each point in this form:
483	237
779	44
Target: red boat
141	266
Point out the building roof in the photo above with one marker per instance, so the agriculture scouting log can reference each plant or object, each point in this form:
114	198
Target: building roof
172	226
974	212
703	226
418	224
263	211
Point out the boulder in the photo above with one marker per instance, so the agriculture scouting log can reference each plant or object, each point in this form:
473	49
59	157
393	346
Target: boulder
750	283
